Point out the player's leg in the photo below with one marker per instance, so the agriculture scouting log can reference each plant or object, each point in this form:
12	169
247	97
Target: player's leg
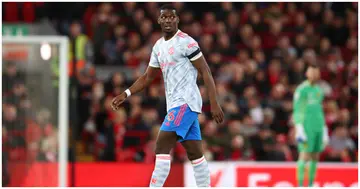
169	132
198	161
193	146
314	157
305	149
301	165
164	143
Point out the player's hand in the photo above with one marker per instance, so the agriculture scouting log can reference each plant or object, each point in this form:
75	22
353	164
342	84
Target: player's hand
217	113
117	101
300	135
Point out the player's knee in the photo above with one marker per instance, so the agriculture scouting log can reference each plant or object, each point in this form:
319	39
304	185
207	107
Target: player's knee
315	156
162	149
193	155
304	156
165	142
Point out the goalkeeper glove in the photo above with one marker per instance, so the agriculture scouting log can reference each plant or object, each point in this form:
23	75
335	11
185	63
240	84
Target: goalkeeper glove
300	135
325	136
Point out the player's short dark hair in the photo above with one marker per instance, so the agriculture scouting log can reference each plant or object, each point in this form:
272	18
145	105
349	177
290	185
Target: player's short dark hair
313	65
167	6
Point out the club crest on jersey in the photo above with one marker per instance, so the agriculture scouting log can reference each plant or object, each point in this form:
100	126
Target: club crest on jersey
158	54
171	50
305	145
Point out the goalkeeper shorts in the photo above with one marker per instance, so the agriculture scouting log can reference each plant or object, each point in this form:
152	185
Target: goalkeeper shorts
313	144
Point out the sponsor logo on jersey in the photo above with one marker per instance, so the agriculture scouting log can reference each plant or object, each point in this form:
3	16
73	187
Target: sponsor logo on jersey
165	64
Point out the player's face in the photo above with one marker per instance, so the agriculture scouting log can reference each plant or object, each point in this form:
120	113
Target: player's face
313	74
168	21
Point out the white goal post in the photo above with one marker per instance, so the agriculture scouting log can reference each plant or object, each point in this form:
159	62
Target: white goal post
63	99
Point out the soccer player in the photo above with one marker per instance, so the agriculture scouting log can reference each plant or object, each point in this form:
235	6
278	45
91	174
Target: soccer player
311	131
179	58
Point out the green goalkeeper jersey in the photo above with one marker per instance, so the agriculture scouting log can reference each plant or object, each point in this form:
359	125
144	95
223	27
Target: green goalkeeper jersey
308	109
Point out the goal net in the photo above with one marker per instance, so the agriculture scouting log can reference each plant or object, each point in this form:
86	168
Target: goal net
35	111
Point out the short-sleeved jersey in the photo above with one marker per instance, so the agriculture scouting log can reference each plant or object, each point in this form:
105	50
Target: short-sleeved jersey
174	58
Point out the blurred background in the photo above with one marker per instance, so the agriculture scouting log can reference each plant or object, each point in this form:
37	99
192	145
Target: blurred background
257	53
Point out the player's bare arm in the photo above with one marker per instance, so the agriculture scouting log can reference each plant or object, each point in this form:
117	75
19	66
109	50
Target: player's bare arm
140	84
201	65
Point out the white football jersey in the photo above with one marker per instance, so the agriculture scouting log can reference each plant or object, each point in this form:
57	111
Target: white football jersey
173	58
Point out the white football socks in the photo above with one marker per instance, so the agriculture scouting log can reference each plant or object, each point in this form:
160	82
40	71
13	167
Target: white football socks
161	171
201	172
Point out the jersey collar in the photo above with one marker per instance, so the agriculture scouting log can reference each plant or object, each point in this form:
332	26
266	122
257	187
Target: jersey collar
172	36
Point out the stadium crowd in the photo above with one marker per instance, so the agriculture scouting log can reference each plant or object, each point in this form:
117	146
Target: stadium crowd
28	134
257	52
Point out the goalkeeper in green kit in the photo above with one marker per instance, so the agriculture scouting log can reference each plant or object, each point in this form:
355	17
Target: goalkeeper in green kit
310	129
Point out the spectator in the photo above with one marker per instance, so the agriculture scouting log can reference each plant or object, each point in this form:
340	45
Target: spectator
84	87
256	111
114	47
11	121
262	83
232	22
80	49
195	31
10	77
187	17
300	44
273	12
256	22
296	72
338	32
101	26
239	81
245	34
340	145
314	12
150	146
226	8
300	22
150	7
115	84
146	28
148	118
209	22
275	31
206	44
262	143
49	144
